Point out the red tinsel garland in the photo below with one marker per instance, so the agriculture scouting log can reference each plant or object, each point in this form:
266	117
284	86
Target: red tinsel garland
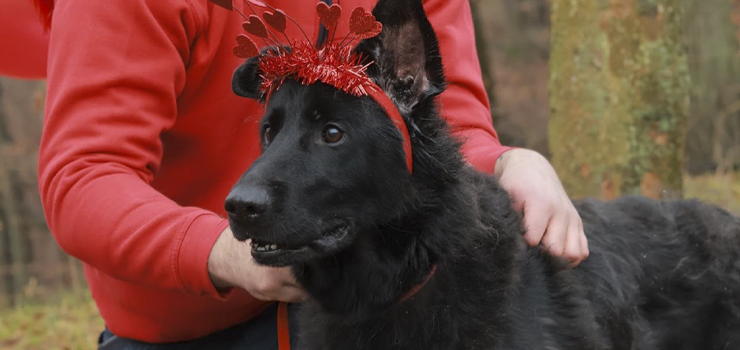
335	65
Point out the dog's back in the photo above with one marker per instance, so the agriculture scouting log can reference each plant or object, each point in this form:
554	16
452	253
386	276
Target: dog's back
663	274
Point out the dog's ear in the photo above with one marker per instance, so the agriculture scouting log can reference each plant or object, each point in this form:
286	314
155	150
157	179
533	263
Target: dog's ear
247	80
408	65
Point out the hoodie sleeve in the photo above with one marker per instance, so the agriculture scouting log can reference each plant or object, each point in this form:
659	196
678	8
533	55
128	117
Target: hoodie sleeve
465	103
116	69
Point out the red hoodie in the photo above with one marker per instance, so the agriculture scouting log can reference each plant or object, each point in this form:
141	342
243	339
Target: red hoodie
143	139
23	41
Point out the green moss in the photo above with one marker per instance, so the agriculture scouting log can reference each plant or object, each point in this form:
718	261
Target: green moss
618	94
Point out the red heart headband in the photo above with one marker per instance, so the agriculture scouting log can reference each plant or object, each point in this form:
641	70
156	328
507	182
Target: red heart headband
335	63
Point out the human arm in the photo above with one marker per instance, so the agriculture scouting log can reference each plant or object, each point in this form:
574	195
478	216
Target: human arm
117	70
549	216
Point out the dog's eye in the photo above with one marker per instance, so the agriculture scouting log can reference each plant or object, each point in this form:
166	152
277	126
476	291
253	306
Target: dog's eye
333	134
268	134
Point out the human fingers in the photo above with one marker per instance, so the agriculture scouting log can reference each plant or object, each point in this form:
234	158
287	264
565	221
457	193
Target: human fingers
536	220
267	283
286	293
554	239
584	244
574	250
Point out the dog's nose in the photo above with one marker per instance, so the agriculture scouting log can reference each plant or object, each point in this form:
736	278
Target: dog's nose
247	202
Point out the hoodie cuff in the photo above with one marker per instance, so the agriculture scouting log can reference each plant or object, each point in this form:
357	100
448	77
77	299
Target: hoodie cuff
192	258
481	150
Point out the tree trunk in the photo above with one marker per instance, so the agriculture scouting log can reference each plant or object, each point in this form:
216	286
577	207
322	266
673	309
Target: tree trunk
16	241
714	65
484	58
619	97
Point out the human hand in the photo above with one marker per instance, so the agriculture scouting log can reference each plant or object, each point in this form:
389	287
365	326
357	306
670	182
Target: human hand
549	216
230	264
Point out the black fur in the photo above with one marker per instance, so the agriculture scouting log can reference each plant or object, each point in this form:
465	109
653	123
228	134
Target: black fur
359	231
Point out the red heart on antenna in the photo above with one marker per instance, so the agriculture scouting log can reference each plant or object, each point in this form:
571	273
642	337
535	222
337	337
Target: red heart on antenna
245	48
223	3
255	26
329	16
275	20
363	24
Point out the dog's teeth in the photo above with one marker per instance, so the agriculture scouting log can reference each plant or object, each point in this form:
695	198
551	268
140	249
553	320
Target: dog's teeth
263	247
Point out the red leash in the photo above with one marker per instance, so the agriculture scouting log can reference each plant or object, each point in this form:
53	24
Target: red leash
283	330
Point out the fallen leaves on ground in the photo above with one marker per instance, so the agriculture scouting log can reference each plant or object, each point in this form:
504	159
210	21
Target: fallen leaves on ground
70	323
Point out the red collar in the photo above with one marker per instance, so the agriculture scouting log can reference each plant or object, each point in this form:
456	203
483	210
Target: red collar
419	286
282	314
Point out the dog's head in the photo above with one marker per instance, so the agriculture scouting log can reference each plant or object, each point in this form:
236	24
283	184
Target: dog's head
333	166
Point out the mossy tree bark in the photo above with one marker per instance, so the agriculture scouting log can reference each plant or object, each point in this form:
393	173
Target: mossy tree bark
713	138
619	97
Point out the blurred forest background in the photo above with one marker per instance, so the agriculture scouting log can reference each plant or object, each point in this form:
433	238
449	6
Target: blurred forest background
601	87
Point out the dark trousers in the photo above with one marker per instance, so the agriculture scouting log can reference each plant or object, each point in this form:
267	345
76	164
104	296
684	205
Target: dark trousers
257	334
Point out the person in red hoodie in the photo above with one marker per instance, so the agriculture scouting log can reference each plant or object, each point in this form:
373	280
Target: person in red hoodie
143	139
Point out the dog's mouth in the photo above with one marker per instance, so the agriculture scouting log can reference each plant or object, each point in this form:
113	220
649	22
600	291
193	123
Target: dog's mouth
284	254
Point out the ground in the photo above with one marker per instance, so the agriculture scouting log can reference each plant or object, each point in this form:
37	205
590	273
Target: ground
69	323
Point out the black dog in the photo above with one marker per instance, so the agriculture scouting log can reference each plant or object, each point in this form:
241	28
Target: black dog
332	198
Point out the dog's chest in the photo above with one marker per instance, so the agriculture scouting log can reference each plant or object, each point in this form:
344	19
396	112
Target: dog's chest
432	326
